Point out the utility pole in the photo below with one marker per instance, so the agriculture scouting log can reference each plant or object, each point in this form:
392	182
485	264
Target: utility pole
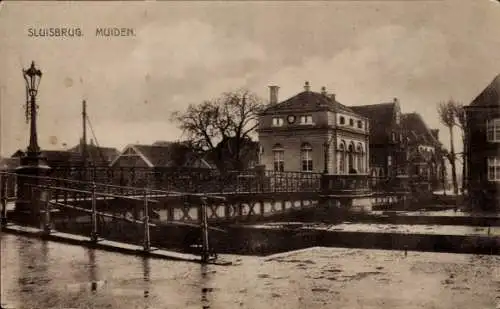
84	137
1	116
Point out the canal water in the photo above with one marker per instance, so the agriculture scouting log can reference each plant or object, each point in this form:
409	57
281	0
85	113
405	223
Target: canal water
38	274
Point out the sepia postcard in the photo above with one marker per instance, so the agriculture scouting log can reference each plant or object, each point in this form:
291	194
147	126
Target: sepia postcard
250	154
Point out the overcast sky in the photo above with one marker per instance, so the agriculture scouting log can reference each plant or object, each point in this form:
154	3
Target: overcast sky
366	52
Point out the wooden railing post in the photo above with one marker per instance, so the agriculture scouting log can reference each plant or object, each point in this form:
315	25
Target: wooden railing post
47	224
205	250
3	198
147	240
93	235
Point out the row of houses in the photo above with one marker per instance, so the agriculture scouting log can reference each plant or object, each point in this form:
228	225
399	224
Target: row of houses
159	154
309	132
314	132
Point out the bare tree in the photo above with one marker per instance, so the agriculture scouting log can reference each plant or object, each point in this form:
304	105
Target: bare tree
211	124
446	112
461	123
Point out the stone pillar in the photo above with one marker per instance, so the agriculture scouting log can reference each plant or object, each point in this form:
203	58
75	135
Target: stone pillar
32	167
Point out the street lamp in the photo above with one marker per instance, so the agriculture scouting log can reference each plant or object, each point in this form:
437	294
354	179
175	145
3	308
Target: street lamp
33	164
32	77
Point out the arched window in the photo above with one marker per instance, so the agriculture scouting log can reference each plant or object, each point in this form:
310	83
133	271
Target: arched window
306	157
350	159
341	157
361	157
279	158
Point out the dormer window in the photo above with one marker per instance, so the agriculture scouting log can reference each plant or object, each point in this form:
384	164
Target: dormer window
306	119
277	122
351	122
342	120
360	124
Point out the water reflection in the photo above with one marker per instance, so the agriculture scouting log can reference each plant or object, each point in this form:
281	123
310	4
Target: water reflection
205	289
146	266
92	264
33	258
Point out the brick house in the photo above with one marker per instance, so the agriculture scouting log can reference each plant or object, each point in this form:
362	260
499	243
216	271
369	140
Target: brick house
312	132
425	160
387	147
482	147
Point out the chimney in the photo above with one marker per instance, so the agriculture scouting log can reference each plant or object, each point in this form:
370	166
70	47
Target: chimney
307	87
395	100
332	96
273	94
323	91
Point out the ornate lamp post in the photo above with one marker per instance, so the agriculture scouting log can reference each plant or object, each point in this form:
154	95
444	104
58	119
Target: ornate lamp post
32	164
32	77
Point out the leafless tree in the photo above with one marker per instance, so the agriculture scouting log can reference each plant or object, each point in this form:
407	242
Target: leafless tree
211	124
447	115
460	122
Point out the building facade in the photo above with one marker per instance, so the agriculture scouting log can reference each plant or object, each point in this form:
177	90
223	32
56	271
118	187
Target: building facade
387	145
424	153
313	132
482	147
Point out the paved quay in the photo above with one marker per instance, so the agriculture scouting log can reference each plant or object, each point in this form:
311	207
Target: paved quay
104	244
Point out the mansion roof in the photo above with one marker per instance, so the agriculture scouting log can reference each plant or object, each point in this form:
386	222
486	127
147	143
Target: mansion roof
310	101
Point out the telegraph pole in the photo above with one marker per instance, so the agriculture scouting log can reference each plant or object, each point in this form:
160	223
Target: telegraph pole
84	137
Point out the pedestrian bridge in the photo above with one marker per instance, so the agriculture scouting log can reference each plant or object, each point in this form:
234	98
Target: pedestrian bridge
176	195
136	207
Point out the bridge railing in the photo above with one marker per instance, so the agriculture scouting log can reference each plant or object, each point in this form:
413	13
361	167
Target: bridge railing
191	180
76	207
346	184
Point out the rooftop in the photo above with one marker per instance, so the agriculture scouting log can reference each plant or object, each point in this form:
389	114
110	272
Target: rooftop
309	100
490	95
